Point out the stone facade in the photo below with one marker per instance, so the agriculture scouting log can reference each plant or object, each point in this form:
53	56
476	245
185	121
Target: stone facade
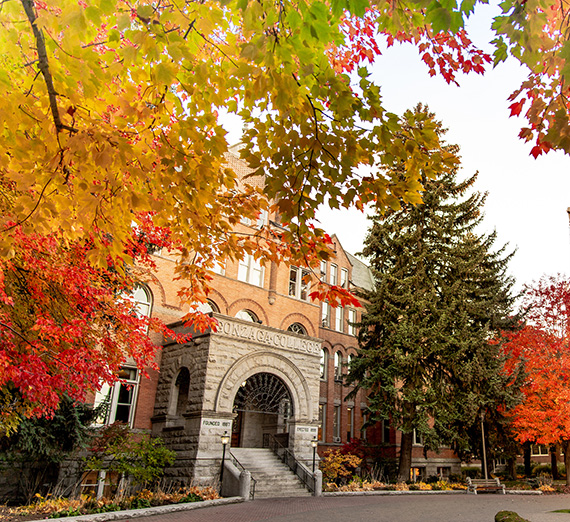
218	363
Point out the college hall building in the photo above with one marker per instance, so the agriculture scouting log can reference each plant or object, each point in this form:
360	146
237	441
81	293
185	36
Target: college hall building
272	369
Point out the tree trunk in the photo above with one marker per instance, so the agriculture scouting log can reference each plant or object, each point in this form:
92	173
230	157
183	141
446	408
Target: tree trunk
512	467
554	462
566	448
405	457
526	457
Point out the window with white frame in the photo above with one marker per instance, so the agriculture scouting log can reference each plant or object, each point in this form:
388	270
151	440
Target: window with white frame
344	277
323	271
338	366
333	276
142	298
299	283
349	358
538	450
326	315
418	440
336	424
250	271
351	321
322	421
219	268
350	424
339	319
324	363
120	398
248	315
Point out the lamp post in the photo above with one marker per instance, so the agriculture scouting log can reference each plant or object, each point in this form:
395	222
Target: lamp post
225	441
483	444
314	443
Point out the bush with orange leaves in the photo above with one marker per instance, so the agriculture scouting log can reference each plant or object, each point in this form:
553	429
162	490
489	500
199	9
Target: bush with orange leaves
338	467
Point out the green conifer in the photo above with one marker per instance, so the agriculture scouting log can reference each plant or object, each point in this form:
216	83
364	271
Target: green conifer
430	337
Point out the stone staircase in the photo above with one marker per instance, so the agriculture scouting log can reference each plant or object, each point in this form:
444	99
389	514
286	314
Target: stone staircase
274	478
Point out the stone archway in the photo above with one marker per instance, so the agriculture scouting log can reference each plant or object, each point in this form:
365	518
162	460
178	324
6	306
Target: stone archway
263	406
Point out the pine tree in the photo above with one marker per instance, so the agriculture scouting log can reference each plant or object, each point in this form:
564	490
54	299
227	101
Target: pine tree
430	338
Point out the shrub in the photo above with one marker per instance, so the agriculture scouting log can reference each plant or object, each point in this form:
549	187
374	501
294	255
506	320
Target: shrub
471	472
509	516
129	455
338	467
541	469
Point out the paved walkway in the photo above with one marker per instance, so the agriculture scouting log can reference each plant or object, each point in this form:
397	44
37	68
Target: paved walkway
404	508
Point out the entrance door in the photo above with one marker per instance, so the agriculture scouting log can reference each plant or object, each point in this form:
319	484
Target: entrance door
263	405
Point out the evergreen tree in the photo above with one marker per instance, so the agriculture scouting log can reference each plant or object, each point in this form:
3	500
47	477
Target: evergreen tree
430	338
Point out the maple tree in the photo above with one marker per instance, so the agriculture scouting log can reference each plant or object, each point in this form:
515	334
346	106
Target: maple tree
67	326
113	110
544	415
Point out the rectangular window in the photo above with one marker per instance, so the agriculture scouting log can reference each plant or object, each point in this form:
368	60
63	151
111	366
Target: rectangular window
350	425
121	398
220	268
336	424
363	430
538	450
344	278
333	275
326	315
262	219
299	283
418	439
323	271
385	431
322	419
250	271
339	319
351	321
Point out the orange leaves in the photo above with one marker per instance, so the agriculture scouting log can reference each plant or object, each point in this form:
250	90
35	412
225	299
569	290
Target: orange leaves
65	326
544	415
334	295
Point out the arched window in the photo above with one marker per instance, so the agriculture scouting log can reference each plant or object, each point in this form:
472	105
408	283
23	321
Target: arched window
248	315
297	328
182	385
349	359
324	363
338	366
208	306
142	298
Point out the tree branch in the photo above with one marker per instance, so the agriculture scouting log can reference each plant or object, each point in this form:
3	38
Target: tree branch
43	66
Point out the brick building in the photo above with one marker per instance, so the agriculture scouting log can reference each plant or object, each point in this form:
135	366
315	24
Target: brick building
274	367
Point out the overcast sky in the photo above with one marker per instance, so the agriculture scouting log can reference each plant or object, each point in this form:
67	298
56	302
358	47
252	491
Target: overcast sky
527	198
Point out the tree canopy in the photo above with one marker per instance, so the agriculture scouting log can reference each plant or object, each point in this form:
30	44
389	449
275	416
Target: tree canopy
113	115
425	353
543	417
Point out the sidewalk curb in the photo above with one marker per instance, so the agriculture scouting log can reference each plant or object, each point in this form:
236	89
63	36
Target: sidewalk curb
147	512
424	492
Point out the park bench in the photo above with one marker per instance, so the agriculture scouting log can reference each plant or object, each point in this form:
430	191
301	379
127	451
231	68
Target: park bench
492	484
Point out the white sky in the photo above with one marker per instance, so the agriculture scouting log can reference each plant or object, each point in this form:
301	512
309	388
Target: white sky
527	198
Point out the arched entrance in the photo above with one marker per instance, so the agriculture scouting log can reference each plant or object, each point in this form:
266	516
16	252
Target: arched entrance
263	405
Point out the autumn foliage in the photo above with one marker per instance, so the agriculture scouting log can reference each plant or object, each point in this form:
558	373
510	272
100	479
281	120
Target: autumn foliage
542	345
113	117
66	326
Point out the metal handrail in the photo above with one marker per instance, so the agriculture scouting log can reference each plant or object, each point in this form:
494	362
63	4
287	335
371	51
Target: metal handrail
239	465
306	477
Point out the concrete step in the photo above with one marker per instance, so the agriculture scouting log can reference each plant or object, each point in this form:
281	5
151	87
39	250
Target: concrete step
274	478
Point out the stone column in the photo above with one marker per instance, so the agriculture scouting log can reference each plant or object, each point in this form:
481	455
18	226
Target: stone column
300	436
210	449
